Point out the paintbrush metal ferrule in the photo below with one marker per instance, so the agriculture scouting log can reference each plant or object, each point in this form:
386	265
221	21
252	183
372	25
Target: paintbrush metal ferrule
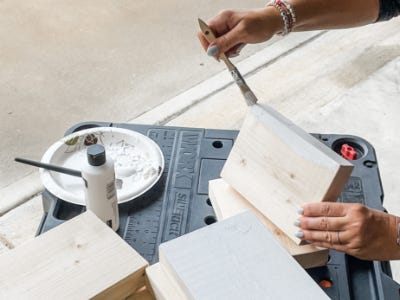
237	77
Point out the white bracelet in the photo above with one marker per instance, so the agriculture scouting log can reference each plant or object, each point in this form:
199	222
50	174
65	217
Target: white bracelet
287	13
291	10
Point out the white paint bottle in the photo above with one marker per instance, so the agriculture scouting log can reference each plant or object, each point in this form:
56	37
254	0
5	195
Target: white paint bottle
100	193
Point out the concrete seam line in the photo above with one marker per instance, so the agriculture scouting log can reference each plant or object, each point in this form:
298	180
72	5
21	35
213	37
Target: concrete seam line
179	104
286	53
177	113
20	192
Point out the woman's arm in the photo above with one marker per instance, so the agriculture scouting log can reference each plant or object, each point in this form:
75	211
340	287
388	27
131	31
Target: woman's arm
235	28
327	14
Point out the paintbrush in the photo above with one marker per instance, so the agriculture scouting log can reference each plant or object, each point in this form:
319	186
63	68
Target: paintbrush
49	167
244	88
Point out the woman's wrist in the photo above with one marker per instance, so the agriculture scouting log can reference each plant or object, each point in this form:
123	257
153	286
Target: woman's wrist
275	22
287	14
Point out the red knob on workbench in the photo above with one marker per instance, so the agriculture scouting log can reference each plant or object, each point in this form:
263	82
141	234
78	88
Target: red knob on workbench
348	152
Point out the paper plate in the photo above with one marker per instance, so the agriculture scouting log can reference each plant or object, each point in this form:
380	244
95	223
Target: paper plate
138	160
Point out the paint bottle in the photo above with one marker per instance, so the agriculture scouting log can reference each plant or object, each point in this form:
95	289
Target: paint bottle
100	193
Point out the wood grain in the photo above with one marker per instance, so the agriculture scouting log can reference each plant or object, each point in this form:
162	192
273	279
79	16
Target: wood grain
162	284
227	203
142	294
277	167
79	259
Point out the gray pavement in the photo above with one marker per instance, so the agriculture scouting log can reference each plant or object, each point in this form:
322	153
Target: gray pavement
65	62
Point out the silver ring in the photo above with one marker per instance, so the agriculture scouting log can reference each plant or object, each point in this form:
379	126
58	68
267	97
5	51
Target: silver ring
338	238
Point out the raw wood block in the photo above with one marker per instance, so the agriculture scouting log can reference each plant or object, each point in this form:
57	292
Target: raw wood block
277	167
80	259
237	258
141	294
163	285
227	203
20	224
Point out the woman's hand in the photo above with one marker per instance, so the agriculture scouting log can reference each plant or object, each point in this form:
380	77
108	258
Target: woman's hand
234	29
352	228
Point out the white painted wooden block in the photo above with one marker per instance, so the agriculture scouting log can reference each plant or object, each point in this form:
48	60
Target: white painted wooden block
227	203
163	285
277	167
237	258
80	259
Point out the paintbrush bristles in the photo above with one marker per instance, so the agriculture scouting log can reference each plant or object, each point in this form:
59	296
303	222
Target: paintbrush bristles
244	88
250	98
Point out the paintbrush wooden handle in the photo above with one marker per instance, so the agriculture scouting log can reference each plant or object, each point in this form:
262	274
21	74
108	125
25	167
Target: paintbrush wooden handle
227	62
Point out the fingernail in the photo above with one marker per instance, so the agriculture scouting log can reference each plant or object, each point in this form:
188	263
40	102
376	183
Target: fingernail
299	234
296	223
213	50
300	211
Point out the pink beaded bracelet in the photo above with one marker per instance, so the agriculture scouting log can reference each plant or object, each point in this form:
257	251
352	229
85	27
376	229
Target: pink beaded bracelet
287	13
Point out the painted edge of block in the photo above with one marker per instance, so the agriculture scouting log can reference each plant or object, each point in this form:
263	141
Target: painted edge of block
265	112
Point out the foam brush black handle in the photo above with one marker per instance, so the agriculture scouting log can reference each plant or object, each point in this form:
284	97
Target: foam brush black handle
49	167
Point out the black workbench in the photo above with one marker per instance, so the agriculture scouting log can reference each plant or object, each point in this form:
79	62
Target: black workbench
179	203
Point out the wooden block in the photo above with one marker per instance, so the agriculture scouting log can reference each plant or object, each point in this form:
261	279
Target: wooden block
237	258
163	285
141	294
227	203
20	224
277	167
80	259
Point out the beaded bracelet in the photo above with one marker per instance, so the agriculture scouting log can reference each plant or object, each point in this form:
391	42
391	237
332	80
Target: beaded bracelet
287	13
291	11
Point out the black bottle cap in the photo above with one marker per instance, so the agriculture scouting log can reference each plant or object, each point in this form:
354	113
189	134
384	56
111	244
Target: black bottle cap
96	155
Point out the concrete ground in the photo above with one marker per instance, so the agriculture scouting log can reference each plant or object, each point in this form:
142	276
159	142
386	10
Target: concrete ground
66	64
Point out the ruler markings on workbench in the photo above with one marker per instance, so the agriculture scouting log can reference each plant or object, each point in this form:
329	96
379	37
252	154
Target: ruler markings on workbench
185	172
141	234
143	227
165	140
